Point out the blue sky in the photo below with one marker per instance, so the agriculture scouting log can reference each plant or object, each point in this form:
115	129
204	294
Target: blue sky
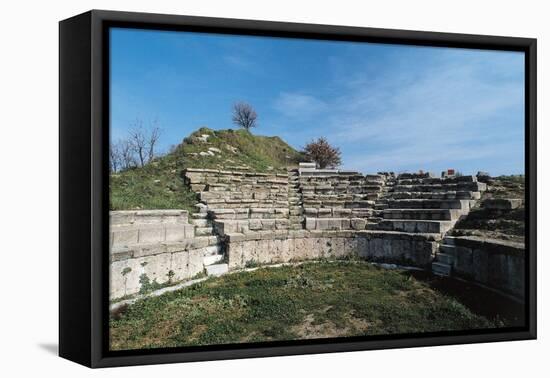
387	107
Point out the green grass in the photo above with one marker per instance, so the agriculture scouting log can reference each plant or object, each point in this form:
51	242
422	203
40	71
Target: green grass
159	184
313	300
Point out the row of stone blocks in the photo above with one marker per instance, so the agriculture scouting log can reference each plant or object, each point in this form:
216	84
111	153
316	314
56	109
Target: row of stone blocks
129	217
149	226
337	212
248	213
340	197
284	246
439	195
435	180
335	224
150	233
451	187
237	204
430	203
415	226
226	226
240	195
423	214
336	189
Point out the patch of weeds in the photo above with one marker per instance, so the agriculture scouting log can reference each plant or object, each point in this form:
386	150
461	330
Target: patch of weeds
251	264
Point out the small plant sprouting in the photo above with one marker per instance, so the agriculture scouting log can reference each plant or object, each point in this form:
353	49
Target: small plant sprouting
170	275
126	270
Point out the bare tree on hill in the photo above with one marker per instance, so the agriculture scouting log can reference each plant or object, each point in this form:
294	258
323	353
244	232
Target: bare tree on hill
114	157
321	152
144	141
244	115
127	158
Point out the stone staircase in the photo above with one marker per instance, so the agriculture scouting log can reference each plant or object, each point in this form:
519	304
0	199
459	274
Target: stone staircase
295	208
423	204
214	258
419	203
443	262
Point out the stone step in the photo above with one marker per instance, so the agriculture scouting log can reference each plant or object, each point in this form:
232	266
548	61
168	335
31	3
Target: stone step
211	250
146	217
212	259
296	211
217	269
200	222
447	249
448	195
295	226
441	269
208	245
328	224
461	186
150	233
252	213
228	226
444	258
423	214
204	231
449	241
428	204
437	180
244	194
415	226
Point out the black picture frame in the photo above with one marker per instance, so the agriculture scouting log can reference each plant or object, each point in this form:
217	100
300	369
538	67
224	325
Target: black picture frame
83	180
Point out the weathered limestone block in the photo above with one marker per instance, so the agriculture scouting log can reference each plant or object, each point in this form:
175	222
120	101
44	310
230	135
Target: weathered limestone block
268	224
358	223
221	213
255	224
327	224
341	213
281	224
324	212
124	236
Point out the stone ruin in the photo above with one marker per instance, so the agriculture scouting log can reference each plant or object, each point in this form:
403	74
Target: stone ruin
247	218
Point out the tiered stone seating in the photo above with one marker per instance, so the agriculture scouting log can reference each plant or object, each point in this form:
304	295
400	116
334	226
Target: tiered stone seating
421	203
338	200
242	201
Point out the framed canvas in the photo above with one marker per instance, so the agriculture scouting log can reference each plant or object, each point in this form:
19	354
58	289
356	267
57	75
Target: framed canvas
235	188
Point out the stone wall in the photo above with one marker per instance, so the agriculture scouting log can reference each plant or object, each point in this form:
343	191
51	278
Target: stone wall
494	263
155	246
286	246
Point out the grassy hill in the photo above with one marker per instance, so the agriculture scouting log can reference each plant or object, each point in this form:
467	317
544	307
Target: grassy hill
159	184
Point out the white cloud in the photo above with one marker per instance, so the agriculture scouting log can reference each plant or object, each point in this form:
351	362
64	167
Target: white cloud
431	118
299	106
